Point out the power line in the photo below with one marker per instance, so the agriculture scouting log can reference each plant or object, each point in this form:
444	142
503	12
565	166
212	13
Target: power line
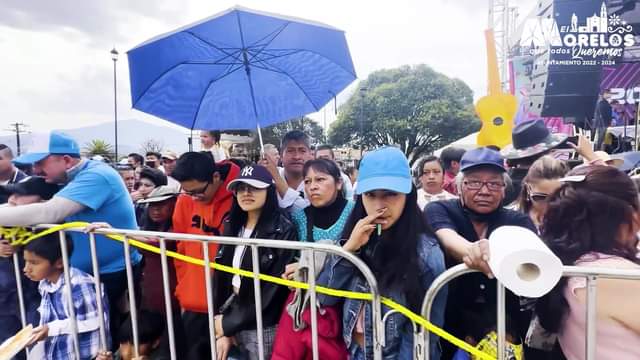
18	128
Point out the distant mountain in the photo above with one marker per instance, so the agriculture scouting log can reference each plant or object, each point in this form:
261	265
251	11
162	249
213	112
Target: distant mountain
131	135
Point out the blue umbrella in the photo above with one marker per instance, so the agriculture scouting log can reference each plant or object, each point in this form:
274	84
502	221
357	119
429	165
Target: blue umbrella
239	69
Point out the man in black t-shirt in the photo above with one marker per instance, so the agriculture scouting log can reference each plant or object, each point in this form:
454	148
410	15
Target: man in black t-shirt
463	226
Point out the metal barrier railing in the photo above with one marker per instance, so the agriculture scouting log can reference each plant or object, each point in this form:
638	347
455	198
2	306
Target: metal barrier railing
421	336
163	237
421	340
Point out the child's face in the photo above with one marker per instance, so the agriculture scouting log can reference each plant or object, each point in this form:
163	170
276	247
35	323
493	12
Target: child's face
37	268
126	350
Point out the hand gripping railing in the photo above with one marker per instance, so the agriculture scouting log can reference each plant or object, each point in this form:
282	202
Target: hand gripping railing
129	236
421	340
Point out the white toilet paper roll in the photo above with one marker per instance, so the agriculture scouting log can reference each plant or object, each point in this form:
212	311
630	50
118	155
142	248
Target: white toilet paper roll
522	262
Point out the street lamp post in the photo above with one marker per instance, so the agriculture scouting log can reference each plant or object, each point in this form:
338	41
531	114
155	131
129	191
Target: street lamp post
114	57
363	90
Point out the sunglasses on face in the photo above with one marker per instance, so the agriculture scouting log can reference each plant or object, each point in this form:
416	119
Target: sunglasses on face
241	188
538	197
196	192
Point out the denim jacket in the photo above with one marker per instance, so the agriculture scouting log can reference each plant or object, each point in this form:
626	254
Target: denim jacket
341	274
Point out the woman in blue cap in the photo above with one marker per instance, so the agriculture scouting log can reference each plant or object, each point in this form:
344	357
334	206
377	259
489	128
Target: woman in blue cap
387	231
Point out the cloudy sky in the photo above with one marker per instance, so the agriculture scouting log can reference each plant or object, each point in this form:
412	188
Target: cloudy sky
57	71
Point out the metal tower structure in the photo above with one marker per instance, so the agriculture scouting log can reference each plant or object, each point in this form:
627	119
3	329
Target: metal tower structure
502	19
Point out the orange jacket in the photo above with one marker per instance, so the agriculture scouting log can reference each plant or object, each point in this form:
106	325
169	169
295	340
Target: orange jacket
193	217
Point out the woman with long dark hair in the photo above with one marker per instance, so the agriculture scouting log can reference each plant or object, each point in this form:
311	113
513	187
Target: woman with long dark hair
254	214
387	231
593	220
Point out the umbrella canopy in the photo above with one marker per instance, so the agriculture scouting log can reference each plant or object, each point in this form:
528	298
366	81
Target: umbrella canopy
239	69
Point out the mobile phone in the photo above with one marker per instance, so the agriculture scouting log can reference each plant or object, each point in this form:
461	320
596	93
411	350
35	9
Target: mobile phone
571	139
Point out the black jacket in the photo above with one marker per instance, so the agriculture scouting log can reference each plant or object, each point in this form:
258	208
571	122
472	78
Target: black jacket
240	314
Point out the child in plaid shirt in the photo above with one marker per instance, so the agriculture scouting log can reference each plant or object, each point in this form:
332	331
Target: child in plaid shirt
43	263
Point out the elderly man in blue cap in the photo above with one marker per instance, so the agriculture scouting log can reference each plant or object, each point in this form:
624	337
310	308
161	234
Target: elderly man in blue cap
92	192
463	226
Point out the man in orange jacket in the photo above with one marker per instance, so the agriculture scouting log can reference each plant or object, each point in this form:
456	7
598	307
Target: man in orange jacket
200	209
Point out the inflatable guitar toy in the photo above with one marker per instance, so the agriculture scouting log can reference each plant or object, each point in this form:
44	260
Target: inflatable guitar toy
498	109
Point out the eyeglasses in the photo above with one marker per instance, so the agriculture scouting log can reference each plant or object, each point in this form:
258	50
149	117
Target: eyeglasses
240	188
477	185
196	192
538	197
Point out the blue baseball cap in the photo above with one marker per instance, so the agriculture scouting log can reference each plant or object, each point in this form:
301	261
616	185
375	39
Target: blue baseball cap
385	168
482	157
49	143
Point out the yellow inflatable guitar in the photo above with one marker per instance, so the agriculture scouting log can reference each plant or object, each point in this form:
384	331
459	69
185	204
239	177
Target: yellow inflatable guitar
496	110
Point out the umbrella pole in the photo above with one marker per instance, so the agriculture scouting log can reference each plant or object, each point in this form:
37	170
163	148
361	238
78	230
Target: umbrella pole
261	143
190	141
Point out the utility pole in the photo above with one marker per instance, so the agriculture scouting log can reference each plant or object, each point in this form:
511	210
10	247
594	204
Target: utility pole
18	128
114	57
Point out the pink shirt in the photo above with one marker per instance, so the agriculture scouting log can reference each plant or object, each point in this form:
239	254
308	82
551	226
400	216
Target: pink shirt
613	340
450	183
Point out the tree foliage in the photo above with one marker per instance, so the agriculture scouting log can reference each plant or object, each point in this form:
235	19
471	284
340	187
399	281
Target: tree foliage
99	147
414	107
151	145
274	133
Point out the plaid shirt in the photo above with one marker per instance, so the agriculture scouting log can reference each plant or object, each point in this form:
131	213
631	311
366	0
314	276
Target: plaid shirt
54	312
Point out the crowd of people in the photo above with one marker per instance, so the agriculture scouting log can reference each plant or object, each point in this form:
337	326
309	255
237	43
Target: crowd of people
407	225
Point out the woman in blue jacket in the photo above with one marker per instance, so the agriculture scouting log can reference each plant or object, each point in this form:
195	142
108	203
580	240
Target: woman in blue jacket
387	231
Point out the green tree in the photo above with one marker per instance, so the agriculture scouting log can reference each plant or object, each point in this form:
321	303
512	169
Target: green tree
99	147
274	133
414	107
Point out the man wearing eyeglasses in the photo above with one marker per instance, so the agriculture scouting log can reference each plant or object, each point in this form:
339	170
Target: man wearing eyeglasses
462	226
200	210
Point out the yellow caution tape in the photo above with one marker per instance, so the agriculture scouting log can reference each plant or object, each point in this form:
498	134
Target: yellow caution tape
22	236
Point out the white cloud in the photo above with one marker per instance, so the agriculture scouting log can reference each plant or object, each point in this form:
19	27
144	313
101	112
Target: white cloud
57	70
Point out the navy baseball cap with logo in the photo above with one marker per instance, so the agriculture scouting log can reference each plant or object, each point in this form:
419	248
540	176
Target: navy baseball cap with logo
50	143
385	168
32	185
482	157
255	175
